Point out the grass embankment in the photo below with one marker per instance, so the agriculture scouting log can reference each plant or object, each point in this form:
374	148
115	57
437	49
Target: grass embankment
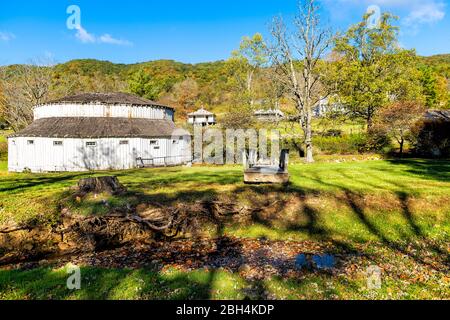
392	213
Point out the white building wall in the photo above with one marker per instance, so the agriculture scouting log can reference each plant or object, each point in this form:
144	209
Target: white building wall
201	120
108	154
102	111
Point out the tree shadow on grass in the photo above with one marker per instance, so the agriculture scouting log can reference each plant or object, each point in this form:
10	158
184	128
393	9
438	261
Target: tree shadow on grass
308	222
102	284
438	170
10	185
356	202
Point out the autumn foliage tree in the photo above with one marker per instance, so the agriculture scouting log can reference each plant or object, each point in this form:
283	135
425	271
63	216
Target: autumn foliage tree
186	93
24	87
398	119
246	64
373	71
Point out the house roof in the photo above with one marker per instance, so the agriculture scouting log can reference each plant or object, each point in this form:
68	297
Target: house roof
114	98
438	115
201	112
270	112
91	128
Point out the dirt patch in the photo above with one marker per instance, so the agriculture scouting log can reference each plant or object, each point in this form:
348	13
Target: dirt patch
143	223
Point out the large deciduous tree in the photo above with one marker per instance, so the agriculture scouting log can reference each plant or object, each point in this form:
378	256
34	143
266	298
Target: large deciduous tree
245	65
435	88
296	56
373	70
24	87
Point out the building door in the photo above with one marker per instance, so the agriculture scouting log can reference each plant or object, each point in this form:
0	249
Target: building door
124	156
13	155
57	155
156	153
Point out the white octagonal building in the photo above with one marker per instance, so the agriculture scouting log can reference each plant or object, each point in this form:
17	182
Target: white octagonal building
99	131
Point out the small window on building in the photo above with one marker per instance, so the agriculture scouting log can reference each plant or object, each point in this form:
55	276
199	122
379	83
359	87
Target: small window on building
154	142
30	142
155	148
123	142
57	143
91	144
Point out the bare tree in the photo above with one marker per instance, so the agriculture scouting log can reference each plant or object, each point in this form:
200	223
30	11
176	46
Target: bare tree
296	58
23	86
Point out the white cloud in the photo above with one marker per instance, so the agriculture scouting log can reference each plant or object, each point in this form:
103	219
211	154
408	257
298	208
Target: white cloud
85	37
6	36
107	38
425	13
414	12
387	3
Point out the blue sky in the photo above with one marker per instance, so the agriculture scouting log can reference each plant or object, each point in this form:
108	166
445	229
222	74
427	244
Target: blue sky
188	31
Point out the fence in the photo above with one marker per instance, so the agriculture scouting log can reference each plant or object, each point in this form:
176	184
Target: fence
163	161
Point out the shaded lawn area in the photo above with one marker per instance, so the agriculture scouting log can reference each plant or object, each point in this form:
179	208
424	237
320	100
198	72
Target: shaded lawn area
401	206
171	284
350	200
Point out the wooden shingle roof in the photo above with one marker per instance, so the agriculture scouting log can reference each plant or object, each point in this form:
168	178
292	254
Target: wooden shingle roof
93	128
438	115
200	112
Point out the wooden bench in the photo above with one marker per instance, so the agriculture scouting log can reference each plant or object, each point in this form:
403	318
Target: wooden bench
261	172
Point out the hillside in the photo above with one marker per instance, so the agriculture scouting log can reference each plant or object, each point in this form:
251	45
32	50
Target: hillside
441	63
205	74
184	86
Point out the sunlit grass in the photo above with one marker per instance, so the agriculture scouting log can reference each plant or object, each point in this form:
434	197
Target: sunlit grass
125	284
382	187
354	203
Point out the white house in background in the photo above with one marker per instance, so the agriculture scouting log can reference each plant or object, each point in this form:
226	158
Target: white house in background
321	108
202	117
324	107
271	115
98	131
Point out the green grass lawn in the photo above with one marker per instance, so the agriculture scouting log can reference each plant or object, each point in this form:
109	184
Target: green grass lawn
399	206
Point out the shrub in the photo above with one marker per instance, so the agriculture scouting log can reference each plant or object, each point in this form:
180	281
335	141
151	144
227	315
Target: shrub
352	143
333	133
346	144
3	150
377	141
432	138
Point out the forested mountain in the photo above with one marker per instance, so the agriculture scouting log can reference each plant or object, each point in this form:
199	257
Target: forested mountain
440	63
183	85
186	87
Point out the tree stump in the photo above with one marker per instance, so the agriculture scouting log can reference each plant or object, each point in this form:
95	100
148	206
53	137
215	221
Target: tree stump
110	185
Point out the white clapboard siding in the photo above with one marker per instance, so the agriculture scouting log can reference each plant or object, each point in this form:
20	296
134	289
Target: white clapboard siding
102	111
67	154
43	155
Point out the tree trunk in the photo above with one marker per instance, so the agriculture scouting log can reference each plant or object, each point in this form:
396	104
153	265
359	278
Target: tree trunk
402	142
249	88
308	139
110	185
369	122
